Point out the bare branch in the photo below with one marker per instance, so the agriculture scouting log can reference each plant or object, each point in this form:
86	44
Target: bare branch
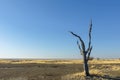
79	48
82	42
89	53
90	29
78	45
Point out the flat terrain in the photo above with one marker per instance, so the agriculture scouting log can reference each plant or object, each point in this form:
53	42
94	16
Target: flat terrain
26	69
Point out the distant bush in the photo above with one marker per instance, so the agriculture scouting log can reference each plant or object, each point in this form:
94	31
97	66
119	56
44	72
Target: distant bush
15	60
98	58
91	58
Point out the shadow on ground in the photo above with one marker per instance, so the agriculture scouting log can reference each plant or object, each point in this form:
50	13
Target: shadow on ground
99	77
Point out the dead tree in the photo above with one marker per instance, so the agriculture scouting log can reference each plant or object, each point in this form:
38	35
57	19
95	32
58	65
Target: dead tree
85	52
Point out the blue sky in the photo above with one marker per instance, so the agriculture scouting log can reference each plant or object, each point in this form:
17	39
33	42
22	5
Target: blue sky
39	28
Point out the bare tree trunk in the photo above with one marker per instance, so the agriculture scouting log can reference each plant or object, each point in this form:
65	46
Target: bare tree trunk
85	66
85	53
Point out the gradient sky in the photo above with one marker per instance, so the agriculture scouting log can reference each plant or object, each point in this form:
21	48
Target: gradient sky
39	28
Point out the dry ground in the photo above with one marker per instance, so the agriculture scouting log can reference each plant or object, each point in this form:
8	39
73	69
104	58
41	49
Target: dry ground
58	70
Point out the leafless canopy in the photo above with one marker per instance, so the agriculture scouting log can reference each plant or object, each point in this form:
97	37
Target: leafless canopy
81	46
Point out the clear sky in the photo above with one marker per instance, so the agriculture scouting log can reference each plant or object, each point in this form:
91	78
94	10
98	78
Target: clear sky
39	28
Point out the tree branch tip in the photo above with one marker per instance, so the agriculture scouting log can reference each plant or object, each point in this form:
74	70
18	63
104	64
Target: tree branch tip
70	31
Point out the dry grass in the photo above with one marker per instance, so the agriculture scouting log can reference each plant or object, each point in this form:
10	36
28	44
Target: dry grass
58	70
